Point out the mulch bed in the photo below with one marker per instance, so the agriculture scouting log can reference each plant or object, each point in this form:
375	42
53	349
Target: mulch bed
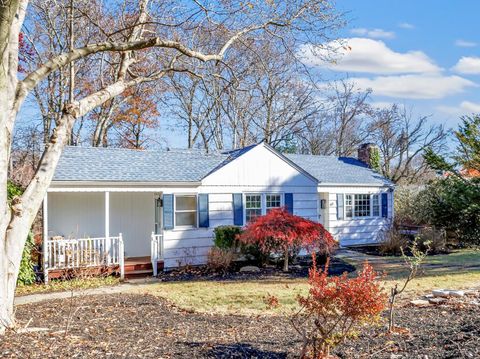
144	326
297	270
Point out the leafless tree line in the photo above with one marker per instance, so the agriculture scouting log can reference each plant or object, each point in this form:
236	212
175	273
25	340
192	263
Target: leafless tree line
268	96
81	61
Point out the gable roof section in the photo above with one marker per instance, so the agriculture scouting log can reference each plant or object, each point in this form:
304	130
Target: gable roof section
234	154
339	170
125	165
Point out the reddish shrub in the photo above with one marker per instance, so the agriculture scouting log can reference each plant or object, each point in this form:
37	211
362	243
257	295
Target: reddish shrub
281	231
335	307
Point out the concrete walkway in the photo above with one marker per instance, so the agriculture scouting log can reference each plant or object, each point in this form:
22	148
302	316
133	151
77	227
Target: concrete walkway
134	284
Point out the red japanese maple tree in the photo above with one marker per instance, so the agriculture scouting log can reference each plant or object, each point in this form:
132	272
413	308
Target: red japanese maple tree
281	231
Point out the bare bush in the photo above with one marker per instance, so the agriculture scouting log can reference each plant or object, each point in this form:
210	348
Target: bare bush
220	259
433	238
392	241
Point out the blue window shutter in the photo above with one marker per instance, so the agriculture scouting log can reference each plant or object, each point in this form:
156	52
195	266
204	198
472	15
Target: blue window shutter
340	212
168	211
385	205
203	220
289	202
238	209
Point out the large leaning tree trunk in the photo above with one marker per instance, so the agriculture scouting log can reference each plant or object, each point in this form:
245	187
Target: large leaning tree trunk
146	43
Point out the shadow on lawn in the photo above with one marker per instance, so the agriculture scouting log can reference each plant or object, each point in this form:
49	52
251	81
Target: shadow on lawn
237	350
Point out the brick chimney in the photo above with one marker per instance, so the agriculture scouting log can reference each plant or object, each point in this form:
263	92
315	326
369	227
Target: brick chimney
368	152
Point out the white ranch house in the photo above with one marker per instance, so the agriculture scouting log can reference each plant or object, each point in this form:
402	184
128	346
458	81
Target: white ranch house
109	205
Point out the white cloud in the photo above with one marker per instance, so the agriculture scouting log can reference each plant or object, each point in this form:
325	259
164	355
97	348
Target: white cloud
406	25
453	111
373	33
369	56
465	43
465	108
424	86
470	107
467	65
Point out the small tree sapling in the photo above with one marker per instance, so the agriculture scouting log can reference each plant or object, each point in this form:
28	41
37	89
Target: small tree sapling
413	263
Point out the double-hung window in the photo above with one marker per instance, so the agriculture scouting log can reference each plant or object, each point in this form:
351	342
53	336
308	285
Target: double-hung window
258	204
375	205
253	206
362	205
272	201
186	211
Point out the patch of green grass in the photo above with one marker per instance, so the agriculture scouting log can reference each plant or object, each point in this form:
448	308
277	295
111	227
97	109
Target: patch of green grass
462	258
233	297
57	285
247	297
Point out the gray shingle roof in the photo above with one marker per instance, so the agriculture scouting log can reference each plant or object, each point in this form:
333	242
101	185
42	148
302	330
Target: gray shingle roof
124	165
338	170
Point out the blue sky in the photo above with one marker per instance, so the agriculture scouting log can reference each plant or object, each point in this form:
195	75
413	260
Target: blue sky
430	50
409	51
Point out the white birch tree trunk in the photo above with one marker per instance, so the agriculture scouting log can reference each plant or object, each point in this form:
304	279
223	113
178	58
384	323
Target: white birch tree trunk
16	218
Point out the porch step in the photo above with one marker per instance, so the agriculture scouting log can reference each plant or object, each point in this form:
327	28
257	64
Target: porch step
139	267
138	274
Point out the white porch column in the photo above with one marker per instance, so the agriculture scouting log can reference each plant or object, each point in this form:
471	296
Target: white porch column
108	244
45	238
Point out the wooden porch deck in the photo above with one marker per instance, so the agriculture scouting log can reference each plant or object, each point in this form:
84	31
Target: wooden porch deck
135	267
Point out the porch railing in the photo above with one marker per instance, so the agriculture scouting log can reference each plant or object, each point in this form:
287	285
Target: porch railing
61	254
156	251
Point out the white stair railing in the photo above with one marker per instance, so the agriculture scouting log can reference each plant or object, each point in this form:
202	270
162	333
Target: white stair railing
156	251
83	252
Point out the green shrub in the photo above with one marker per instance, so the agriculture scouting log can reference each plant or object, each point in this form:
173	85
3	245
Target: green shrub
454	204
412	206
226	237
26	274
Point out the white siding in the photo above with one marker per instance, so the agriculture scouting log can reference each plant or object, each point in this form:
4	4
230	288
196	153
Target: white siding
80	215
258	167
352	232
76	215
132	214
257	171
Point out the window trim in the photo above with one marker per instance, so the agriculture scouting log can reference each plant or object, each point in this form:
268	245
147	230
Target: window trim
263	202
282	200
195	226
371	216
245	204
